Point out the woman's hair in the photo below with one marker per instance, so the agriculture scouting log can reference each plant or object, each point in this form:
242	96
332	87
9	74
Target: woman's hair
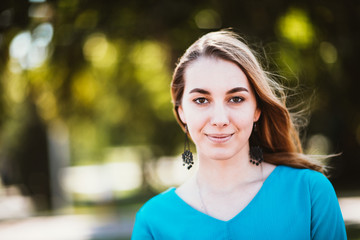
278	135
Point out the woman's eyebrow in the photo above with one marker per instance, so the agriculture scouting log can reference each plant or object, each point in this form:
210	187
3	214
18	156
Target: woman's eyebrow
237	89
200	90
234	90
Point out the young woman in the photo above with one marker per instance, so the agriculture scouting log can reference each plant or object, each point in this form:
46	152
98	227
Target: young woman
253	181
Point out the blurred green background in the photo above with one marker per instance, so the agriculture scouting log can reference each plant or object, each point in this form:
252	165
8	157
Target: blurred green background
87	132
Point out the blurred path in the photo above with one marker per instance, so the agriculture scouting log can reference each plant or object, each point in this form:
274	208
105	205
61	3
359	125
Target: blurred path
350	208
68	227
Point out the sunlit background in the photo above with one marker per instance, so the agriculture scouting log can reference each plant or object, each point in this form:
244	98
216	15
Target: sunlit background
87	132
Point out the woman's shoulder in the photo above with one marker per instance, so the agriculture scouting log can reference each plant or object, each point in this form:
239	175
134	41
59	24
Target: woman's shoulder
312	178
288	170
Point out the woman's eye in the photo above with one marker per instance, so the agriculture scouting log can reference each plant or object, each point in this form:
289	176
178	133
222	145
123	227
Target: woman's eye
201	100
236	99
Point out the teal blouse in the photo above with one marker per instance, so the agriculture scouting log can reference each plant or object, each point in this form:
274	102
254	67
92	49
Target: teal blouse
291	204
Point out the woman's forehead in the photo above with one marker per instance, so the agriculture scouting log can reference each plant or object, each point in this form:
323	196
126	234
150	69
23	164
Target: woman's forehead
214	73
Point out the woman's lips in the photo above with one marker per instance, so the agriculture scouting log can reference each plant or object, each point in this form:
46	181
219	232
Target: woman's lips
219	138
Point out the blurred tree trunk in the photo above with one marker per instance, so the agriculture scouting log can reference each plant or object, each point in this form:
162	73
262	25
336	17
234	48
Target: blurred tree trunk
27	165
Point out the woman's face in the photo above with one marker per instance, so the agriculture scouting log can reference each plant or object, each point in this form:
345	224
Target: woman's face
219	108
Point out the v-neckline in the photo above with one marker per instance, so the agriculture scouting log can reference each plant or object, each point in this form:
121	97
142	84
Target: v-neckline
257	195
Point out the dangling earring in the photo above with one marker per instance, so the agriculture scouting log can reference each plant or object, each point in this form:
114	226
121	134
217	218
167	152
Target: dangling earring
256	153
187	154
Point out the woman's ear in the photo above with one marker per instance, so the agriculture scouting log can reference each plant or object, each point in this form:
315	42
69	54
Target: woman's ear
257	114
181	114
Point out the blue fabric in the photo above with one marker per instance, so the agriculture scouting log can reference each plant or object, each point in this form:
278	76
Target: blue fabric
292	204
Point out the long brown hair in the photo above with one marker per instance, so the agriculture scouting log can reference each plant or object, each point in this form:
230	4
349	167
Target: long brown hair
279	137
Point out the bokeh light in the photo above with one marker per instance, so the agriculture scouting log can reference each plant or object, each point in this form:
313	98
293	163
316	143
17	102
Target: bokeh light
328	52
296	27
208	19
30	50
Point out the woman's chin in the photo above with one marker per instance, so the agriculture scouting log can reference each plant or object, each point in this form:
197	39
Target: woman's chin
219	155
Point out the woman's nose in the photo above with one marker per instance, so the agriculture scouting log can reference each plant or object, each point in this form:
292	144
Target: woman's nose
219	116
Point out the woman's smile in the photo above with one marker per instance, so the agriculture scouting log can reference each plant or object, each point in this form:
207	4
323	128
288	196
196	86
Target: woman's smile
219	138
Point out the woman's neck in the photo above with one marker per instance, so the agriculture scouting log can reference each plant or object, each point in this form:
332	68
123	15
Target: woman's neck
224	176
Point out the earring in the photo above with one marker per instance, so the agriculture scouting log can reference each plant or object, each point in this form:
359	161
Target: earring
256	153
187	154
